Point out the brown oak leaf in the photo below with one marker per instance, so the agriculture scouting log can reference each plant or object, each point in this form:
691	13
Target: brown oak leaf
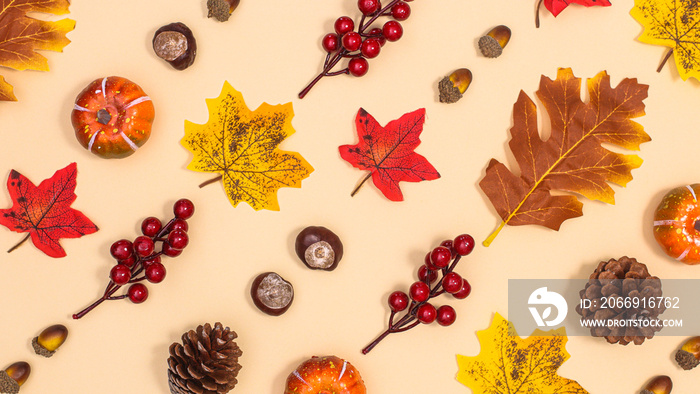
21	36
572	159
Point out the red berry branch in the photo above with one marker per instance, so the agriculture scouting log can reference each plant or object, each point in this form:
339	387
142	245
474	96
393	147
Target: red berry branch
441	260
363	44
138	260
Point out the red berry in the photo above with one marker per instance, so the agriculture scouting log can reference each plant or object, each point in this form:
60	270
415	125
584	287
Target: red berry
150	226
170	251
120	274
370	48
154	259
129	262
343	25
143	246
178	239
401	11
178	224
464	244
122	249
452	282
446	315
330	42
379	35
368	7
183	209
429	263
392	30
358	66
441	257
426	314
398	301
351	41
138	292
464	291
419	291
155	272
449	245
426	275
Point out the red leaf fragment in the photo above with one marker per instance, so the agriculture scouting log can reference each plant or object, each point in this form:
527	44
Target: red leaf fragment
44	211
557	6
388	152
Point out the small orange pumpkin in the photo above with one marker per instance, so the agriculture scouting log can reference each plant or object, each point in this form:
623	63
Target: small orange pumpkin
677	224
112	117
325	375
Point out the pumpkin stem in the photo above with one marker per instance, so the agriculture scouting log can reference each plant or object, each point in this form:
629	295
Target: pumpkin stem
103	116
697	225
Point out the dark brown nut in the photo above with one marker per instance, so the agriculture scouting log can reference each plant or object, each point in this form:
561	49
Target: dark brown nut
319	248
271	293
13	377
454	85
659	385
49	340
221	10
492	44
175	44
688	356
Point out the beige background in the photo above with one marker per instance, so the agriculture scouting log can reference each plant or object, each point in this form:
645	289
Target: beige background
269	50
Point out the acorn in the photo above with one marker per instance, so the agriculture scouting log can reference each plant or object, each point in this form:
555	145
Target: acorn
271	293
492	44
49	340
452	87
319	248
13	377
221	10
688	356
175	44
659	385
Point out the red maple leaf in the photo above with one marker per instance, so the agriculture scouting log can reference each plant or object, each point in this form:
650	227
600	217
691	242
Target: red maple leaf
557	6
388	152
44	211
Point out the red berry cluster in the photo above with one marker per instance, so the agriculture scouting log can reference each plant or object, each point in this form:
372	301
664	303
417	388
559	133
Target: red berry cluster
440	261
138	260
363	44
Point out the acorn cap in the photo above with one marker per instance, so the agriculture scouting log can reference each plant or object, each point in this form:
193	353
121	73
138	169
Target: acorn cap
221	10
7	384
686	360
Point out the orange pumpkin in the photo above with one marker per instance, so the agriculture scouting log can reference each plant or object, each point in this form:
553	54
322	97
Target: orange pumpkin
677	224
112	117
325	375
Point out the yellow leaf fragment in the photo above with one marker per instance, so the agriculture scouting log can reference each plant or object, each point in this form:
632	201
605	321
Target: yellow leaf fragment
674	24
6	93
242	146
508	364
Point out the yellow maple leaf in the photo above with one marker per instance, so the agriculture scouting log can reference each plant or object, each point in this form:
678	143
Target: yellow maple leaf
21	36
675	24
242	146
508	364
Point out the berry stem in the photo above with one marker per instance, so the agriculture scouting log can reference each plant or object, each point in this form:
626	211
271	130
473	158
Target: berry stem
537	14
357	188
493	235
26	237
100	300
392	329
665	59
342	52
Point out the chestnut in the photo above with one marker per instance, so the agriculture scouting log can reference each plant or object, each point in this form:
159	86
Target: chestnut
175	44
319	248
271	293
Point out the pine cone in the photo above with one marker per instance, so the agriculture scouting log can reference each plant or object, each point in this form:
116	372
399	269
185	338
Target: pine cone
628	280
205	363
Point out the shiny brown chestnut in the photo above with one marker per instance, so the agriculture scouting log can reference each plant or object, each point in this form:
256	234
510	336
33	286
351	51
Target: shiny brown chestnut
13	377
49	340
271	293
319	248
175	44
